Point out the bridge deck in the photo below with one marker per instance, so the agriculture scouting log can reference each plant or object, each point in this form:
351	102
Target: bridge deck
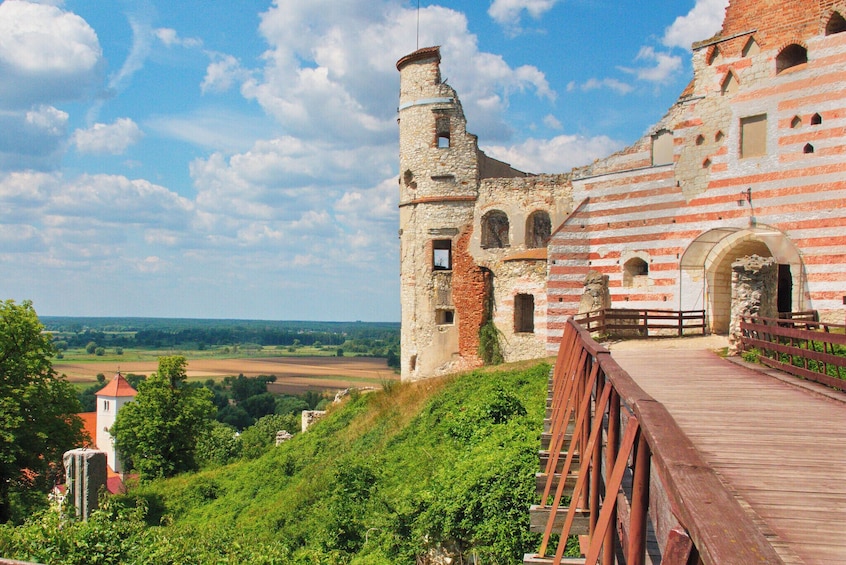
780	448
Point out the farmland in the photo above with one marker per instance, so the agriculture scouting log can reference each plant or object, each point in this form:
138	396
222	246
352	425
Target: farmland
294	375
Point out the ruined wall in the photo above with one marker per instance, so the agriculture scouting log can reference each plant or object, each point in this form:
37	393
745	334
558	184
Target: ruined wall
723	191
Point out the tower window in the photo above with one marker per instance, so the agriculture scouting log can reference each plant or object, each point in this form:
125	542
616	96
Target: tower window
495	228
442	129
444	317
524	313
538	229
442	254
753	136
106	406
791	56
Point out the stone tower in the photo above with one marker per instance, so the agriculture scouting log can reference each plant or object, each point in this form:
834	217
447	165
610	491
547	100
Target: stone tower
438	185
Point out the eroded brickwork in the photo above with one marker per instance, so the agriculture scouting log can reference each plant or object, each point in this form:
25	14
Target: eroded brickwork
751	159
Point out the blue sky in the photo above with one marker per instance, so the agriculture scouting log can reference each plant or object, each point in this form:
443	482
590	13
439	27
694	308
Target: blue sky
220	159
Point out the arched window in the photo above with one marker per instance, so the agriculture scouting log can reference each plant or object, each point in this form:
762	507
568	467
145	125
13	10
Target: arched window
836	24
751	48
634	267
730	84
791	56
538	229
713	55
495	230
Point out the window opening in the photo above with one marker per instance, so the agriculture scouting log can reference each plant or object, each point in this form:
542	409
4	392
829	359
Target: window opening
795	122
730	84
836	24
751	48
442	128
753	136
808	148
524	313
816	120
718	137
634	267
442	254
495	228
715	52
444	317
538	229
105	406
791	56
706	163
700	139
662	148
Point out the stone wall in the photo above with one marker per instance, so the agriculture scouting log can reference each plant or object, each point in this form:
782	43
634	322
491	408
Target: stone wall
754	281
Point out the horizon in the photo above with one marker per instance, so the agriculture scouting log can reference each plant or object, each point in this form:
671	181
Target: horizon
199	160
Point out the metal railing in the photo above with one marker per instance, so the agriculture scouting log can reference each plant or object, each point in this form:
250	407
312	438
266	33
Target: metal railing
804	348
642	322
621	472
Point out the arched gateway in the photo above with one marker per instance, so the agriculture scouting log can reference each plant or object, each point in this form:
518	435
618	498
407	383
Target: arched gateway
705	266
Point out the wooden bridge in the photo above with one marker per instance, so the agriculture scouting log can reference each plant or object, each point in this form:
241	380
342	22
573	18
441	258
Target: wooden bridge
682	457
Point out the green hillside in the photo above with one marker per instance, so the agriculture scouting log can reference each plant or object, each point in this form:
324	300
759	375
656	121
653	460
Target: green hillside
386	477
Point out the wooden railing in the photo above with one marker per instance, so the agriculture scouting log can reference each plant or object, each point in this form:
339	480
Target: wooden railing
620	474
805	348
640	322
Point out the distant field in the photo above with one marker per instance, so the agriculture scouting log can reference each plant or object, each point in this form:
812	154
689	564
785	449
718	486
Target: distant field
294	375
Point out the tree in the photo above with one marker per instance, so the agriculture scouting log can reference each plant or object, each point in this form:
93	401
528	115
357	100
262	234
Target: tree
157	433
38	408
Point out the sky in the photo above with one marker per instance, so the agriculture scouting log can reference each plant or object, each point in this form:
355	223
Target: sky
212	159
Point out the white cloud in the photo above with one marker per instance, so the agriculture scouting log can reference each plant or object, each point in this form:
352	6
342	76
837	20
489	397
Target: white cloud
663	66
507	12
331	79
170	38
704	20
222	73
46	55
559	154
551	122
617	86
107	138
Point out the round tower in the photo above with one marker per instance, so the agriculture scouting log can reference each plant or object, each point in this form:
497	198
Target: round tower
438	183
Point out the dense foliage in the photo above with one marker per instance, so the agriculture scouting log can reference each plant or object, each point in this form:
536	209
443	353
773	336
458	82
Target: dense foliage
388	477
38	420
157	433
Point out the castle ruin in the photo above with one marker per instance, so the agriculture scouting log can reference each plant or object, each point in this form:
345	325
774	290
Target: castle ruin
750	160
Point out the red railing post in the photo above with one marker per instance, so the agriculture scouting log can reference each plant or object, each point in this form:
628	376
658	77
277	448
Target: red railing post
613	439
636	553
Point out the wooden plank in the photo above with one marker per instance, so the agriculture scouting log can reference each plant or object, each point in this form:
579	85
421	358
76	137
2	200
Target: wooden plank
765	439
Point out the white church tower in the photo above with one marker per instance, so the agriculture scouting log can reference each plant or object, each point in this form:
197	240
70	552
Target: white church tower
110	399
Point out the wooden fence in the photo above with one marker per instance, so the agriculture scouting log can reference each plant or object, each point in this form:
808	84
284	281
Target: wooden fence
634	481
642	322
805	348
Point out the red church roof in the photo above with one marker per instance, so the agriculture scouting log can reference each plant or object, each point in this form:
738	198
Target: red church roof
89	422
118	386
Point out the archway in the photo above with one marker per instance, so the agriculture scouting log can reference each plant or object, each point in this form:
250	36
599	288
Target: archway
708	260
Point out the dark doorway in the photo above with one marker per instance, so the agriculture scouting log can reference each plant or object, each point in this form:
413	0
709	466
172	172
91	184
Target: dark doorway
785	289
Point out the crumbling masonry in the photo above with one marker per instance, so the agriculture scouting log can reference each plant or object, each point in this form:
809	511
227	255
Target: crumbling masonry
750	160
